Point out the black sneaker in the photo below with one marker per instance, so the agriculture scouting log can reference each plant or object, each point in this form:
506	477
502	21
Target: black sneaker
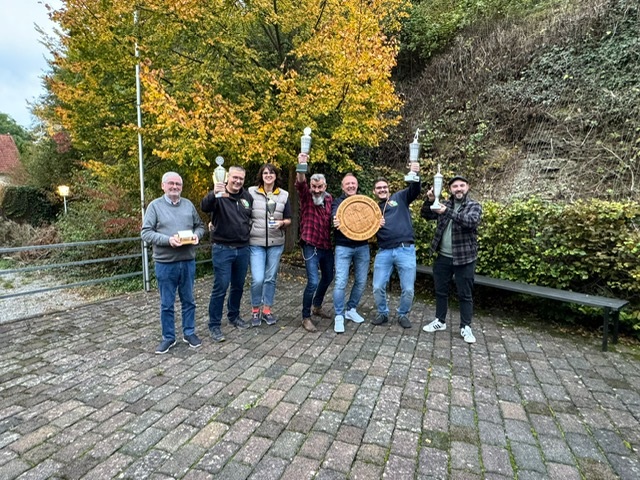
192	340
239	323
269	318
217	335
380	319
404	321
164	346
255	319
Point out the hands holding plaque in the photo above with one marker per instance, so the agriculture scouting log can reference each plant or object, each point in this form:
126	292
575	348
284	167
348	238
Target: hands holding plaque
184	237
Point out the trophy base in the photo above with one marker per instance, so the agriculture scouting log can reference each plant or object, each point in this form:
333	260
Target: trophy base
302	168
272	224
436	206
411	178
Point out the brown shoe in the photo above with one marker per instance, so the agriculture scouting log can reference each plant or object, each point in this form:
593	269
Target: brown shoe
308	325
319	312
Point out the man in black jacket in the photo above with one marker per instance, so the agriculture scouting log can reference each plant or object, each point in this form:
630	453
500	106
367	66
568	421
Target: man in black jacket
230	212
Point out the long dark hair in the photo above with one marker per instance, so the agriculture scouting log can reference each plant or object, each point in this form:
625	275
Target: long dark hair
272	169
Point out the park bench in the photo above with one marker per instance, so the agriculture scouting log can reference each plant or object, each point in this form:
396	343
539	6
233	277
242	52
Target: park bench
611	306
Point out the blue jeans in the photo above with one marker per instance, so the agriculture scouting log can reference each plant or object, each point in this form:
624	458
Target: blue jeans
360	258
404	260
230	265
264	272
314	292
443	270
178	276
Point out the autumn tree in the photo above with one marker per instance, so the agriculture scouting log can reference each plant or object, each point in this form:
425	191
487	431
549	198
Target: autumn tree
238	79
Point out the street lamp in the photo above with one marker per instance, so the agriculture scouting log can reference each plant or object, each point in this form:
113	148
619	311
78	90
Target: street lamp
63	191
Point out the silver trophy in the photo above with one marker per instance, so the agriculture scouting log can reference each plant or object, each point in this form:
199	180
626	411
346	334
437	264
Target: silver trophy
414	153
305	146
437	190
271	208
219	174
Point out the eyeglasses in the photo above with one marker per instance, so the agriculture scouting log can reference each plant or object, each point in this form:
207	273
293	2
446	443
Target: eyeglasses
173	184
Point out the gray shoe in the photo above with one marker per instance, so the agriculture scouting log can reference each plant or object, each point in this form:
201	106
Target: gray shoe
164	346
239	323
217	335
404	321
255	319
192	340
380	319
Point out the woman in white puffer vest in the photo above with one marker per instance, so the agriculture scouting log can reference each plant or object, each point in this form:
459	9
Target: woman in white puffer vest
270	216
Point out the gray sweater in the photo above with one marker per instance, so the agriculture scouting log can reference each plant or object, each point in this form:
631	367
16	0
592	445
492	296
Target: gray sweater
163	220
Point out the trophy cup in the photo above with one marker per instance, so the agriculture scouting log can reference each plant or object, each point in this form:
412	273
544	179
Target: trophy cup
437	190
219	175
305	146
271	208
414	153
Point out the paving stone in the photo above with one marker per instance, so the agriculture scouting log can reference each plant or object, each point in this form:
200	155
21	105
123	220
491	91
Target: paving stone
527	457
555	449
497	460
269	468
433	463
465	456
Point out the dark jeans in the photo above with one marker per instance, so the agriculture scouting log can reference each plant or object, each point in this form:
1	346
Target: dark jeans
443	271
178	276
314	292
230	265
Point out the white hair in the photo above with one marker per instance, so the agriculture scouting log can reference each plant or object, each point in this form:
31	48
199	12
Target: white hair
166	176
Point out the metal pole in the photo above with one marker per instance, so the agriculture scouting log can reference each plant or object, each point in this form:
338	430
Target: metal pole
64	199
145	255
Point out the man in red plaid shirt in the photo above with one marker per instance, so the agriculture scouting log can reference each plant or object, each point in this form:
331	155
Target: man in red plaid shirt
315	239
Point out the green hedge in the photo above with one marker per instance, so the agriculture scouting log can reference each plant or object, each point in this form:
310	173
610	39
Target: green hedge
28	205
588	246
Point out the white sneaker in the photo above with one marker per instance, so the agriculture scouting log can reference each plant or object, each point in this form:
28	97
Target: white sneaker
467	334
353	316
435	326
338	326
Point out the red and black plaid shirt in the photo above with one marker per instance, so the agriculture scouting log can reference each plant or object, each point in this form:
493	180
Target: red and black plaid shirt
315	221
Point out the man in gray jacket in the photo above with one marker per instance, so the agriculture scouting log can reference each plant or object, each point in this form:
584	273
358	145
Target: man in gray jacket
172	225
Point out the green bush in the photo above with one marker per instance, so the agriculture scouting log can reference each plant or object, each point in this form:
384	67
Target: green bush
28	204
591	247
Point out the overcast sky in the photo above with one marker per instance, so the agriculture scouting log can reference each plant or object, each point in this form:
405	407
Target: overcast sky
22	57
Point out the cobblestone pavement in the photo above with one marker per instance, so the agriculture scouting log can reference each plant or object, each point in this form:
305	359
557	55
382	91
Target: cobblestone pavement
82	395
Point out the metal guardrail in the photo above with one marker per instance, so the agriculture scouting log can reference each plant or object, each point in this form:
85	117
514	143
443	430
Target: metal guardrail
54	266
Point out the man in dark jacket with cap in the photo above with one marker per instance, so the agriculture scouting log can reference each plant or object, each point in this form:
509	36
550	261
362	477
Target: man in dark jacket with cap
456	244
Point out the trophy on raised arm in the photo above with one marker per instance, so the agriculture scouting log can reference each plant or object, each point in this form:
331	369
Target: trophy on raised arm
437	190
271	208
219	174
414	153
305	146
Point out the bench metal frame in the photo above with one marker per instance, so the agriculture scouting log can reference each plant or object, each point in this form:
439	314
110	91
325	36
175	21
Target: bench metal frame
611	306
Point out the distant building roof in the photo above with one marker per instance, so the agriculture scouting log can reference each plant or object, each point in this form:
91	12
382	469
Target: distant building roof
9	155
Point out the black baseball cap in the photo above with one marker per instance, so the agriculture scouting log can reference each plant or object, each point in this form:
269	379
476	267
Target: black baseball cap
457	177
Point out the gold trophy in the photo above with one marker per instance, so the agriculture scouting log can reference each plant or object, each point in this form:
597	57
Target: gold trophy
305	146
219	175
271	208
414	153
437	190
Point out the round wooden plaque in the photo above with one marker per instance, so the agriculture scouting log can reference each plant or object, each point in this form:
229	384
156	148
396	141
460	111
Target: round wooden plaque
359	217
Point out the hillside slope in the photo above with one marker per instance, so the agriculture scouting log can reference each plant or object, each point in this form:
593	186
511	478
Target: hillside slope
546	105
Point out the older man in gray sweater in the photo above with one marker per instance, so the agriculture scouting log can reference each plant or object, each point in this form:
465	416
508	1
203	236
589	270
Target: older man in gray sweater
174	227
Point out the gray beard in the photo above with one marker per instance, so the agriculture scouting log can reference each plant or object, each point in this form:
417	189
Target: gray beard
319	200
